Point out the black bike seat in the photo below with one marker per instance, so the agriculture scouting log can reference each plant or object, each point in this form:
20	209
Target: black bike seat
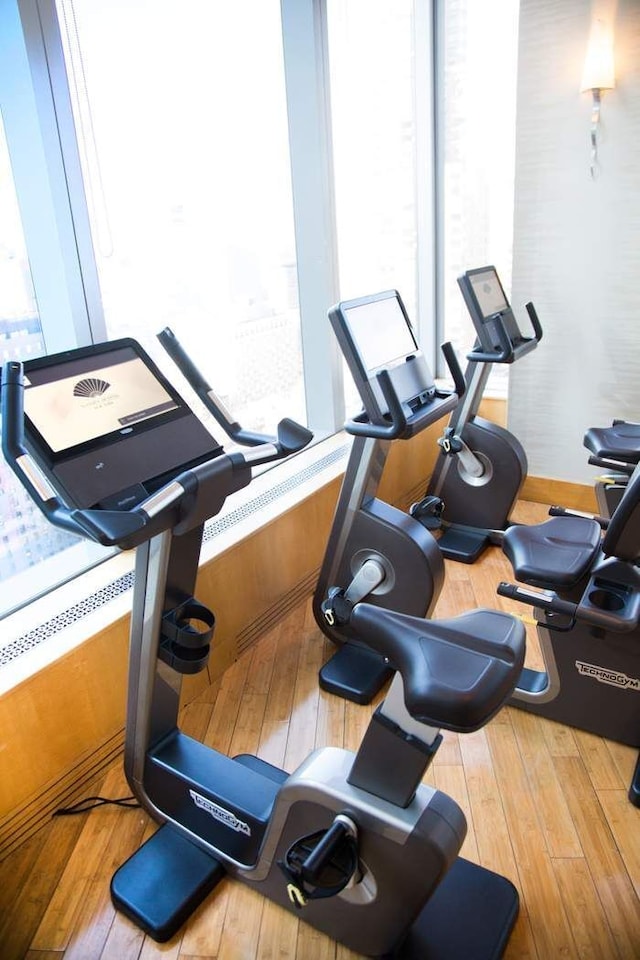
554	555
458	672
620	441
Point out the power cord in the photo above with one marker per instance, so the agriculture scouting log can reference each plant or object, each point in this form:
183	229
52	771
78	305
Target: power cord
91	803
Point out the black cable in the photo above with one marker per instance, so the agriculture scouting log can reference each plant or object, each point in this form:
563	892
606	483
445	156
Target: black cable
90	803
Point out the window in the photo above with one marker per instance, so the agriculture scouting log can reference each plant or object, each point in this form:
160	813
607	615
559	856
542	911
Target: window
26	539
478	50
371	57
185	159
174	167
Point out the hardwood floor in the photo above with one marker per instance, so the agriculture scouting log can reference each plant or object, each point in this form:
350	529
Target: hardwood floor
546	806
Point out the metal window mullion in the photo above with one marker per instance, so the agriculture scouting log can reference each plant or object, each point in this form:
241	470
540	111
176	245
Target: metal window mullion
429	328
438	132
304	33
44	155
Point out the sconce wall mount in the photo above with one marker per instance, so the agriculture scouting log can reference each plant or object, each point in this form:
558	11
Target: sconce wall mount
598	75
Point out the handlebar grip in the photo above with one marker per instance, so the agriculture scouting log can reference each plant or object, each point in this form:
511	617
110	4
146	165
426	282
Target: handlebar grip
504	354
183	361
552	603
535	323
206	393
382	431
455	370
12	411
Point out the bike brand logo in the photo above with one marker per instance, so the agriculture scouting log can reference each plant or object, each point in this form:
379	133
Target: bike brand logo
602	675
91	387
219	813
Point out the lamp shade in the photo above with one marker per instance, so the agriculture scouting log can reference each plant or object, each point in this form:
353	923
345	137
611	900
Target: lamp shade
598	73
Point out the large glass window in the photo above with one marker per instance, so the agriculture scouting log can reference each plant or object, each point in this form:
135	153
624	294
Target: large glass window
478	52
26	539
372	108
180	113
180	118
371	57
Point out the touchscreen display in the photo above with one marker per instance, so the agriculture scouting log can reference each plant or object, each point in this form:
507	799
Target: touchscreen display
488	292
380	333
71	404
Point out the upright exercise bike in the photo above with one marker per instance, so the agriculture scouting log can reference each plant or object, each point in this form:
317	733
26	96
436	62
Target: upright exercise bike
482	466
375	551
355	845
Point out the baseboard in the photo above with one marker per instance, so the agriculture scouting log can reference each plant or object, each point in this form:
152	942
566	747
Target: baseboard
559	493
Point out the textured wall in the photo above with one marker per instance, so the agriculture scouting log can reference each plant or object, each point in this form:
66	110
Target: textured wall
576	250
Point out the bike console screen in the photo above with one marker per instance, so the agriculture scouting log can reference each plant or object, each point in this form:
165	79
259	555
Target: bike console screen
375	334
104	419
488	305
70	405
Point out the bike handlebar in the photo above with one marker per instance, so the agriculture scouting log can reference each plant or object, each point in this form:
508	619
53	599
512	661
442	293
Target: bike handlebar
405	425
190	498
507	351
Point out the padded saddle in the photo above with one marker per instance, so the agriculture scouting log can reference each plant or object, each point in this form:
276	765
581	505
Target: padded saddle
620	441
458	672
554	555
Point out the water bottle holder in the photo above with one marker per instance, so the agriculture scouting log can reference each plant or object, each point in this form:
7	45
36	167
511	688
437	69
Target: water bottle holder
186	635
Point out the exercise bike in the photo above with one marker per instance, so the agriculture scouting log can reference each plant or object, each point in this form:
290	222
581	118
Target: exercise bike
478	476
587	610
356	845
376	552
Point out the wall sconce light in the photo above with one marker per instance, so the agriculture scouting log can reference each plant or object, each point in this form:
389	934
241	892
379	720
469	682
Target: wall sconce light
598	75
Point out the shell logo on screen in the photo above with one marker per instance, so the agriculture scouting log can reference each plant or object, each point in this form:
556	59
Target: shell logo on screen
91	387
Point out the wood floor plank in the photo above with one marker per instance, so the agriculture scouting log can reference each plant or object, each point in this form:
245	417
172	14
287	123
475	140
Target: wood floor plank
598	761
458	596
330	723
56	927
485	798
611	880
522	944
560	834
195	718
625	759
304	712
356	721
124	940
203	932
41	955
15	868
624	821
450	779
96	915
587	917
33	888
313	945
160	951
248	725
227	706
449	751
278	937
560	740
241	932
535	871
